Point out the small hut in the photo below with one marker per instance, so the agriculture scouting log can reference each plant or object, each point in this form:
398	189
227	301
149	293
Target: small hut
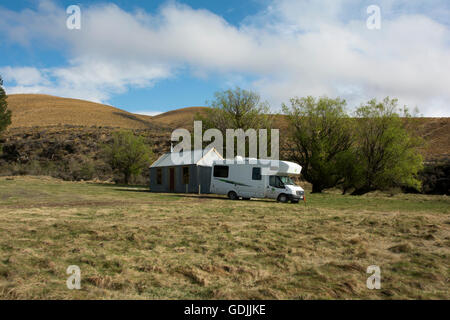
192	176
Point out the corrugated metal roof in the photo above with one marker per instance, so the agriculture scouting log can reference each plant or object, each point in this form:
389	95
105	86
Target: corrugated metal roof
198	157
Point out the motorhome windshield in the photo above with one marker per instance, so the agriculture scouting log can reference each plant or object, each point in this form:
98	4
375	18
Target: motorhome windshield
287	180
279	181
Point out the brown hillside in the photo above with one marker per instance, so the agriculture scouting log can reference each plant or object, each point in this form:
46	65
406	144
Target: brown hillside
30	110
181	118
436	133
43	110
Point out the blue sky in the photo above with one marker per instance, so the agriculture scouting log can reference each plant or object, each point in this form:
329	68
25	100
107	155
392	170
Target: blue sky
165	95
155	56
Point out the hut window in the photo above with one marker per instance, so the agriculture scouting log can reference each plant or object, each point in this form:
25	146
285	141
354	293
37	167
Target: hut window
185	175
159	176
221	171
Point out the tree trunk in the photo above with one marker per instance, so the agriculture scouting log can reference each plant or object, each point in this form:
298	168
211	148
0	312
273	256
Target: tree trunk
126	178
316	188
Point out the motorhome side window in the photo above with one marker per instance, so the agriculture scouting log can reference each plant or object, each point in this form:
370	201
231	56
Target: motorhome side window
159	176
256	174
275	181
221	171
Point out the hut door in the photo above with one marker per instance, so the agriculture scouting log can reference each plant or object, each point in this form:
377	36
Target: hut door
172	179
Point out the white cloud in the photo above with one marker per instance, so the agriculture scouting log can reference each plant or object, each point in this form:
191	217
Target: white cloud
291	48
83	79
24	76
149	113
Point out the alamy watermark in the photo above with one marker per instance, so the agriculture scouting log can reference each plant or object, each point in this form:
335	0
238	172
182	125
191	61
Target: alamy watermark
373	22
258	142
374	281
74	281
73	21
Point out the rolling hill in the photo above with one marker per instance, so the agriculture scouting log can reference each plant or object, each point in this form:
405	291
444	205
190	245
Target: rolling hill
37	110
181	118
30	110
40	110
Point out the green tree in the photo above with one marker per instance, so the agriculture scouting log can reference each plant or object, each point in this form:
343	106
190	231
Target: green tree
320	139
386	154
237	109
5	114
127	154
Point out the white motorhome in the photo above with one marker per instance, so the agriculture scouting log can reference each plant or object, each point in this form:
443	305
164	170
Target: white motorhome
253	178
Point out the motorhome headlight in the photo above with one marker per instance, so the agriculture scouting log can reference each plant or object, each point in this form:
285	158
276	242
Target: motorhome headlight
300	193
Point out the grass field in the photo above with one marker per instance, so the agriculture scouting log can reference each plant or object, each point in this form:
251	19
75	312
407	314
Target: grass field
132	244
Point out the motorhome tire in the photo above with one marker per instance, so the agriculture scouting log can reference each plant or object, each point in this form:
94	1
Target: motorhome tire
233	195
282	198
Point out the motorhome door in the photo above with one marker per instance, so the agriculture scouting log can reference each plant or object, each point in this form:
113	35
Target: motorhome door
274	188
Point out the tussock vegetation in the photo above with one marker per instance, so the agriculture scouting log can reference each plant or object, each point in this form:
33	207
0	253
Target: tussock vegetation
30	110
68	152
132	244
60	137
42	110
180	118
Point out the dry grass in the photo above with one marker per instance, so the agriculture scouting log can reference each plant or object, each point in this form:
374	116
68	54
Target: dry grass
181	118
30	110
436	133
43	110
132	244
